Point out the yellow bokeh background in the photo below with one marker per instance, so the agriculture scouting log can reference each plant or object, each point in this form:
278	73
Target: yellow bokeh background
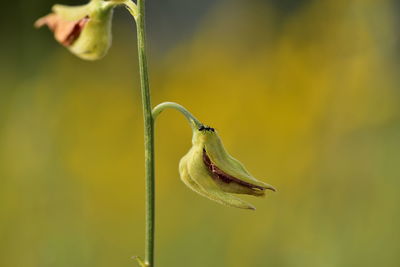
308	102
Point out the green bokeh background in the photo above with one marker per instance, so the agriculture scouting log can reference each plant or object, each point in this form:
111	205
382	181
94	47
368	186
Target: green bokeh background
305	93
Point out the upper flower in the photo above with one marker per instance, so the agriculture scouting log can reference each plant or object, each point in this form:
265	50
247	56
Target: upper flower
209	170
85	30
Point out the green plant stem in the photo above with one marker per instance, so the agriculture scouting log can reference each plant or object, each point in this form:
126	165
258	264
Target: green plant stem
148	134
192	119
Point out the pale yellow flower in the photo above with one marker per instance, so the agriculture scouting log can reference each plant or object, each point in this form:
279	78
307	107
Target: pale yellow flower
85	30
209	170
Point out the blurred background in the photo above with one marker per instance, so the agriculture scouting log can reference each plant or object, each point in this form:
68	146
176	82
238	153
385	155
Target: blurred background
304	93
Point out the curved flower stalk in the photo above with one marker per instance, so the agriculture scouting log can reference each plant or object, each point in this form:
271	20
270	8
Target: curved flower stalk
85	30
209	170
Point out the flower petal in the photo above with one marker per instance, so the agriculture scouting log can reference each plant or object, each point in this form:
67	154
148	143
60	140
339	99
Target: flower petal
229	183
201	182
221	158
187	179
65	32
73	13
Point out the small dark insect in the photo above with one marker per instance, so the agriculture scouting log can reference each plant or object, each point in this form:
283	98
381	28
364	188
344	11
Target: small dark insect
206	128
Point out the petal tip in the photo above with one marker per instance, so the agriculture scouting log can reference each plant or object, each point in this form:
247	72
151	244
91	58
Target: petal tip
271	188
40	22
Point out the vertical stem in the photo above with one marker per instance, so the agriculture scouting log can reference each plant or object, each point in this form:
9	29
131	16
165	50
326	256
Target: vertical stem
148	134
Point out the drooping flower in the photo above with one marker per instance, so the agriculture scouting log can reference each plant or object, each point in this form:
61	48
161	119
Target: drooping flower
209	170
85	30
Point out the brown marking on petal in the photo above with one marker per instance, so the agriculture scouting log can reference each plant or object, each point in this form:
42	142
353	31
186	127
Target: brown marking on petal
65	32
76	31
219	174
